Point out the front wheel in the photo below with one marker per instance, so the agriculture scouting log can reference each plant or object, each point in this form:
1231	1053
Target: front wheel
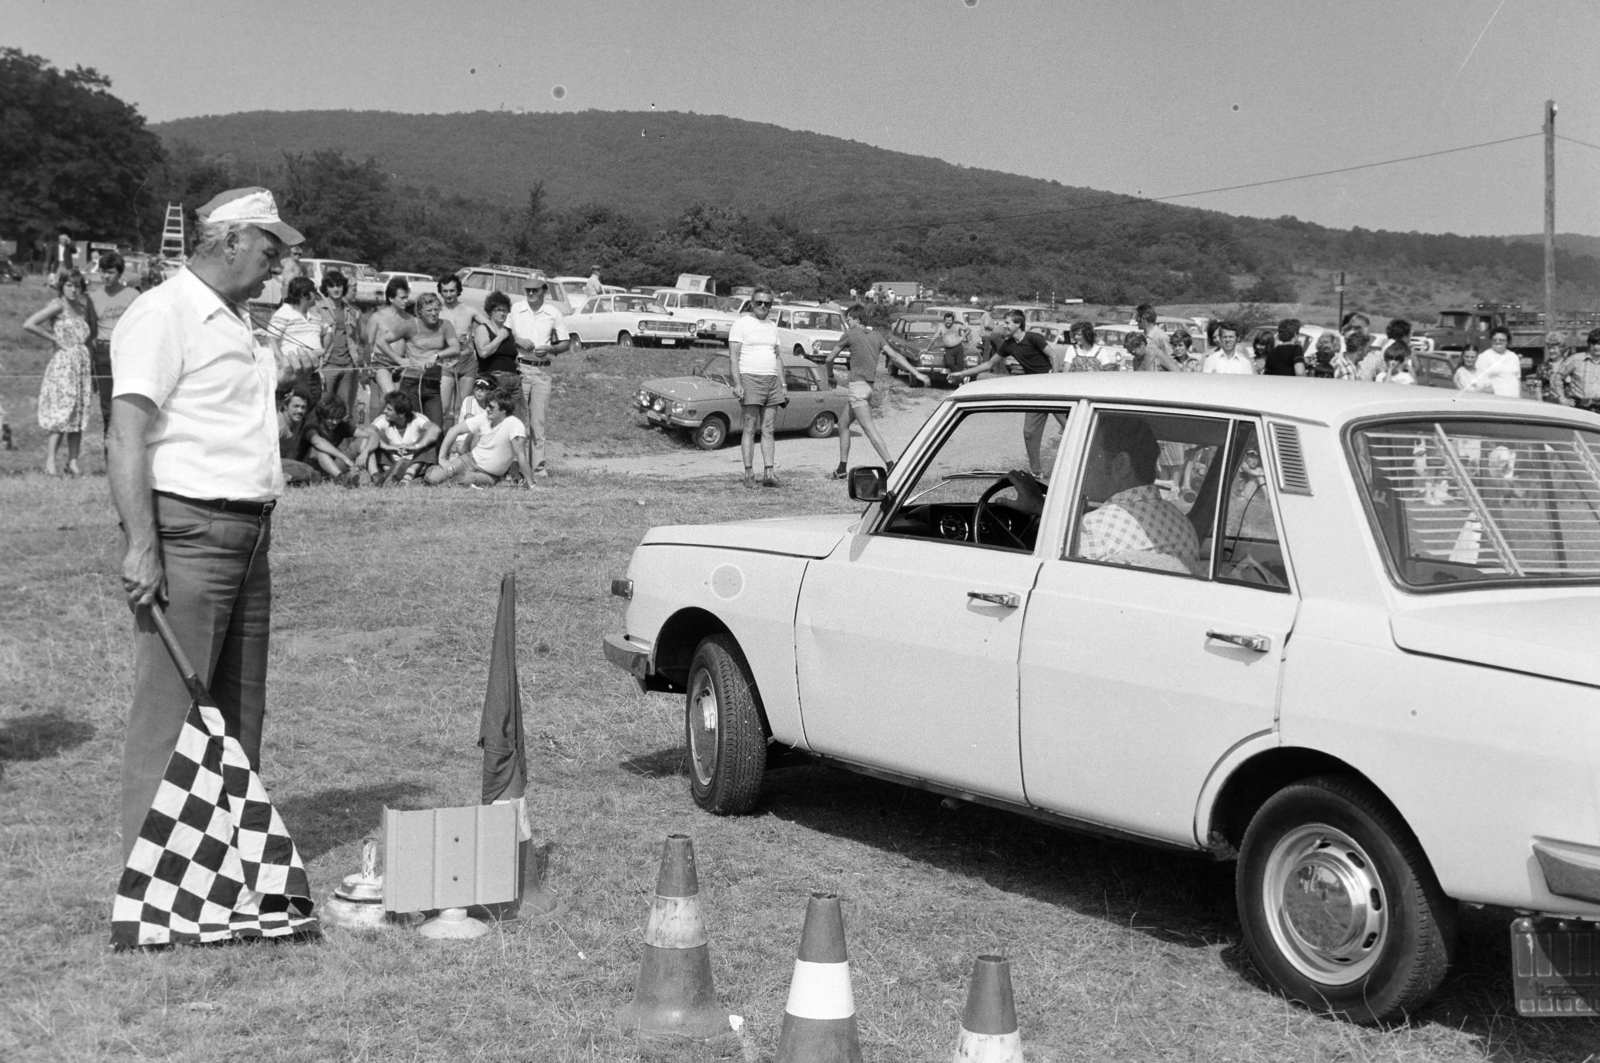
624	339
712	433
574	343
722	727
822	425
1339	907
799	351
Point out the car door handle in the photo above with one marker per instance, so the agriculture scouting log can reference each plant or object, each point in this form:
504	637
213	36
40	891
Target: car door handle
1009	601
1258	643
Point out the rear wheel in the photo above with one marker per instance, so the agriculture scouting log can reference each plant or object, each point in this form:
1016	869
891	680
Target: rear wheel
712	433
822	425
574	343
624	339
1339	907
722	728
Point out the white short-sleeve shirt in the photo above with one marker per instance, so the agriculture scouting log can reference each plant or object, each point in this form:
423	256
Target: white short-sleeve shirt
1239	362
758	340
215	434
540	327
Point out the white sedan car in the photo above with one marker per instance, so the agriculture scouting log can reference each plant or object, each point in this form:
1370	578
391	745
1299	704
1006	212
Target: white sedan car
629	321
1340	633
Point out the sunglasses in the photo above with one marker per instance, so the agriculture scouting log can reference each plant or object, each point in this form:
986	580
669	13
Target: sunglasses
759	303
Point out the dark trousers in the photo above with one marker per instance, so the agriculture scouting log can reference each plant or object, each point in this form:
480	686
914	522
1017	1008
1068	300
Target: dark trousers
219	601
342	381
424	393
100	373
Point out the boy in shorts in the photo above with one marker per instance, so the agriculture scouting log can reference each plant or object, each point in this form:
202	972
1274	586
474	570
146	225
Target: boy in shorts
863	345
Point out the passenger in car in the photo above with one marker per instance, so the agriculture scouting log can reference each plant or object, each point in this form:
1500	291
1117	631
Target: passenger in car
1134	524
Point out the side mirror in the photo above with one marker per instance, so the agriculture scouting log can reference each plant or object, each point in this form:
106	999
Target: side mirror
868	483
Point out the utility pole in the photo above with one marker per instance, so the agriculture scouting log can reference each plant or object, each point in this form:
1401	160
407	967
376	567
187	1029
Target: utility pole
1549	214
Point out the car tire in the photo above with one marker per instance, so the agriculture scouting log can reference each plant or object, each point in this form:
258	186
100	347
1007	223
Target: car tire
712	433
624	339
799	351
1340	909
574	343
822	425
722	728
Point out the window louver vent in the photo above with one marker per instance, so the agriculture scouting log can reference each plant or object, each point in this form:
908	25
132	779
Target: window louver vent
1289	458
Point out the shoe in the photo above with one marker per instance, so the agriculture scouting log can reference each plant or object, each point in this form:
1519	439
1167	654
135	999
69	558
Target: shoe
72	468
840	473
770	479
749	477
541	473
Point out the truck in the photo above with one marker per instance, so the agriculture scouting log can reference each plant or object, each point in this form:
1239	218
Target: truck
1459	328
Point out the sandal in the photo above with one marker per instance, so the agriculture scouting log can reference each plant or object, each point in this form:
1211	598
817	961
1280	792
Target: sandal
840	473
770	478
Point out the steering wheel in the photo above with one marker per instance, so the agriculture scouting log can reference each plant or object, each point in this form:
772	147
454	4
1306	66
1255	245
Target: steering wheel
981	512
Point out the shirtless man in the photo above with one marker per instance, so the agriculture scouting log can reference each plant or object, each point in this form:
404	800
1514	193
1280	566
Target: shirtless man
455	380
951	339
420	346
394	311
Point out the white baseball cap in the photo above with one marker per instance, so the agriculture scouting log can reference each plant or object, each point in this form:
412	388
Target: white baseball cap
252	206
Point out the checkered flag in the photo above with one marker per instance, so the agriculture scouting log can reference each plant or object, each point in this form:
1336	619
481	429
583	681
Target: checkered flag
213	861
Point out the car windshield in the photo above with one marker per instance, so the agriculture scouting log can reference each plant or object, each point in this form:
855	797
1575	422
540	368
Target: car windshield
1454	320
1459	502
921	328
699	301
718	368
818	319
638	304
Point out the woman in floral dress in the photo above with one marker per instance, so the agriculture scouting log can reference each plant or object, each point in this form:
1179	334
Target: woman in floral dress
65	396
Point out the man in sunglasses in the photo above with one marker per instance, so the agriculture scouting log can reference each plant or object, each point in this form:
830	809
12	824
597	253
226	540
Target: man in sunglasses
757	382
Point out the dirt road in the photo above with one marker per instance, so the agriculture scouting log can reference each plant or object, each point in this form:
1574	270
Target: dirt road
904	412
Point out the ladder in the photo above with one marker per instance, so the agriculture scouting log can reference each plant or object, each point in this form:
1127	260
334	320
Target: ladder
172	242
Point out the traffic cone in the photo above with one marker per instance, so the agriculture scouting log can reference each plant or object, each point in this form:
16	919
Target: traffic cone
674	994
819	1021
989	1025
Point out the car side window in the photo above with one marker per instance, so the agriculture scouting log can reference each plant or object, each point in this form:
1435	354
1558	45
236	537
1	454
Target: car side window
783	319
1250	552
1145	496
964	494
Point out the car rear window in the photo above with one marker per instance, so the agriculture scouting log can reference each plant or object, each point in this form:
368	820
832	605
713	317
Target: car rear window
1469	502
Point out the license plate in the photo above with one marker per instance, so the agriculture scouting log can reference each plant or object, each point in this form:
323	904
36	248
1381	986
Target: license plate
1555	966
668	340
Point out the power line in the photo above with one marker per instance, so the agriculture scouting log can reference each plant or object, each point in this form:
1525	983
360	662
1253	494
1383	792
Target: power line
1128	201
1575	140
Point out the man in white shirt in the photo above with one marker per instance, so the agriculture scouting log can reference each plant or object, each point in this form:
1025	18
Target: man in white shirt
757	383
1228	358
1499	369
194	473
495	439
541	334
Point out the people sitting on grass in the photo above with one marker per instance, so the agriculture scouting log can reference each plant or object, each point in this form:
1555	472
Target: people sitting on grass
306	453
495	441
400	443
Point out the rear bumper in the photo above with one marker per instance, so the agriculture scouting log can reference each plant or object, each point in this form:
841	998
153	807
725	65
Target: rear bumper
1568	870
629	656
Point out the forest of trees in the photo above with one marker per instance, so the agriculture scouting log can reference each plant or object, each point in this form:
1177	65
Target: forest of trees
647	196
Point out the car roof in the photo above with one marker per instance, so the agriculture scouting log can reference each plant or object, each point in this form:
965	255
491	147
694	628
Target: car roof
1315	401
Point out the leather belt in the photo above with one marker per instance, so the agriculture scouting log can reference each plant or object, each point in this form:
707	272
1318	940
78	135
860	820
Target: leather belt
534	361
224	505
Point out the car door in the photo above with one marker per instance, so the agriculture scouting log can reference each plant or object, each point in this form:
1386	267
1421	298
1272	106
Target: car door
806	398
906	637
1141	668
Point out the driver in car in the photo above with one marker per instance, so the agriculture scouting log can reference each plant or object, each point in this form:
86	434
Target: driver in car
1133	524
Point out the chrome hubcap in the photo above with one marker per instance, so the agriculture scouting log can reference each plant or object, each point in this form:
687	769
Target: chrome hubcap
703	716
1325	904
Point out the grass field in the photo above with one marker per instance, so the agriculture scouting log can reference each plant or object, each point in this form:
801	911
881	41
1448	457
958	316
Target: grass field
382	622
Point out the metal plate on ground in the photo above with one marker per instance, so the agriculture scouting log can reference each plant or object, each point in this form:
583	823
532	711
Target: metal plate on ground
1555	967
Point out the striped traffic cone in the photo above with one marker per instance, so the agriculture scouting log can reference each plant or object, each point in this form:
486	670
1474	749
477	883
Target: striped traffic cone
819	1022
674	994
989	1025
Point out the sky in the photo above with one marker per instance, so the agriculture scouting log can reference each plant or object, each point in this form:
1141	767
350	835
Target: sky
1144	97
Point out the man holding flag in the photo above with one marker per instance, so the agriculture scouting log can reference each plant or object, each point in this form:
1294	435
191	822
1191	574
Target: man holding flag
194	473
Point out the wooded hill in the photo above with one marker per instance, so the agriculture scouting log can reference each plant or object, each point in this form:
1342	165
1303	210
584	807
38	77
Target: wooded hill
838	206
